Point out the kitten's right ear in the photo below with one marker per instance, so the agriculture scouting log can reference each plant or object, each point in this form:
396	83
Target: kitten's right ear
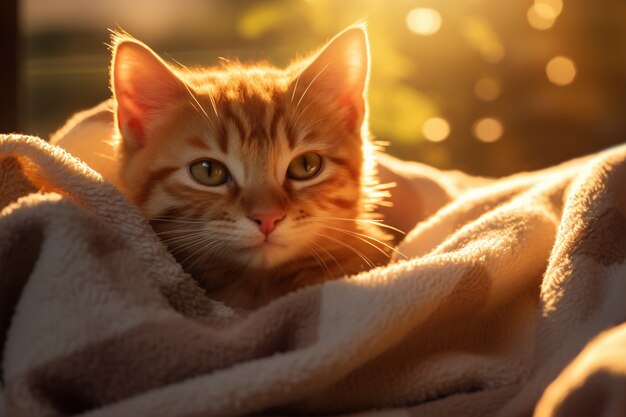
143	87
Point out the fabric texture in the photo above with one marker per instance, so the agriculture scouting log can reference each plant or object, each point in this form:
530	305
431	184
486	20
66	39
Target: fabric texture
506	283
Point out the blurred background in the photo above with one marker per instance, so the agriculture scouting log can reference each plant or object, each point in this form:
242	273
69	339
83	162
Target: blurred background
490	87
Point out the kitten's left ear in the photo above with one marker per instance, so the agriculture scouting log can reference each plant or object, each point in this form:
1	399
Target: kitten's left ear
341	70
144	87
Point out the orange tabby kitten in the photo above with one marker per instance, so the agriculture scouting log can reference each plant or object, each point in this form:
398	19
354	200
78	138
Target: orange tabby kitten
258	179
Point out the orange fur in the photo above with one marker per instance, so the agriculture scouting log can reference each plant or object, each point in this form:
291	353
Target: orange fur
254	119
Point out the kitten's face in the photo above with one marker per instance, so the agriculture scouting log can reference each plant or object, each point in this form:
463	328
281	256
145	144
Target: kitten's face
239	164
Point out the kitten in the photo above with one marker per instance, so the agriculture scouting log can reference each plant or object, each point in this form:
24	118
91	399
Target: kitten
259	180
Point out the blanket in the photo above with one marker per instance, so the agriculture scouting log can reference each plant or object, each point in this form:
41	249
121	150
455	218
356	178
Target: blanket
511	303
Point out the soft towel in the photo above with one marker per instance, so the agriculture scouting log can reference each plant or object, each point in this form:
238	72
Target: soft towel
505	285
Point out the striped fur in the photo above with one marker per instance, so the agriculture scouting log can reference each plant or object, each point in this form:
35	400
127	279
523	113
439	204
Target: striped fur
255	119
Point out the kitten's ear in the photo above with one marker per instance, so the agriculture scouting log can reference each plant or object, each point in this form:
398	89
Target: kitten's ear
341	70
143	86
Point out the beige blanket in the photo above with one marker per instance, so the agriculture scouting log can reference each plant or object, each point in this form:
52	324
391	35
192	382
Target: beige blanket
504	287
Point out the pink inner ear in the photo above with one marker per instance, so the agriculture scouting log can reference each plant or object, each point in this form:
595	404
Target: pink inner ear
353	108
130	117
133	128
144	87
351	118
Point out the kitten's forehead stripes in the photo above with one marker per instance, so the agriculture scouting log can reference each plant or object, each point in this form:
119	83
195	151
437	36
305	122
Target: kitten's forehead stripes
198	142
255	116
230	117
276	117
222	137
251	119
291	133
256	113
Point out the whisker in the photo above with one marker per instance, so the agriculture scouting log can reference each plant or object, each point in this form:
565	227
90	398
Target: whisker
195	99
295	87
310	84
300	114
322	119
203	111
359	238
214	106
180	220
177	220
105	156
178	241
166	235
178	62
369	221
193	95
356	234
176	232
211	251
319	260
189	241
181	238
205	243
200	111
345	245
331	256
185	247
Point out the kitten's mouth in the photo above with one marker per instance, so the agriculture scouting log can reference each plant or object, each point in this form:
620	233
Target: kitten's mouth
267	252
266	244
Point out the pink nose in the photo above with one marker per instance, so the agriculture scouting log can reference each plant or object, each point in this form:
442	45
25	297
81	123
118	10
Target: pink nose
267	221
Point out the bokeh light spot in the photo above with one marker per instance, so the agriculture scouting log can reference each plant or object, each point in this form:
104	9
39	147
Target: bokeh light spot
436	129
561	70
487	89
488	130
537	21
543	13
549	9
423	21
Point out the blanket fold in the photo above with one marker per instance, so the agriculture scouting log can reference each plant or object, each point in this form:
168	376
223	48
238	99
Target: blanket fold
505	284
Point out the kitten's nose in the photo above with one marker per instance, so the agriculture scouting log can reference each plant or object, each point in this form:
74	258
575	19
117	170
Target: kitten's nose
267	221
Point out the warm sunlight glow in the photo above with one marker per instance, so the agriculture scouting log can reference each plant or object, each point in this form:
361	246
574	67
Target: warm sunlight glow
487	89
492	52
537	21
543	13
482	37
561	70
355	63
488	130
436	129
549	9
423	21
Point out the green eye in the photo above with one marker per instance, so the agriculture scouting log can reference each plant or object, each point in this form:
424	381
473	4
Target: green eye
305	166
209	172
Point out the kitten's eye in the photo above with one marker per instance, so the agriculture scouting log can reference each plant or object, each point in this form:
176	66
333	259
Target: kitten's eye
305	166
209	172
